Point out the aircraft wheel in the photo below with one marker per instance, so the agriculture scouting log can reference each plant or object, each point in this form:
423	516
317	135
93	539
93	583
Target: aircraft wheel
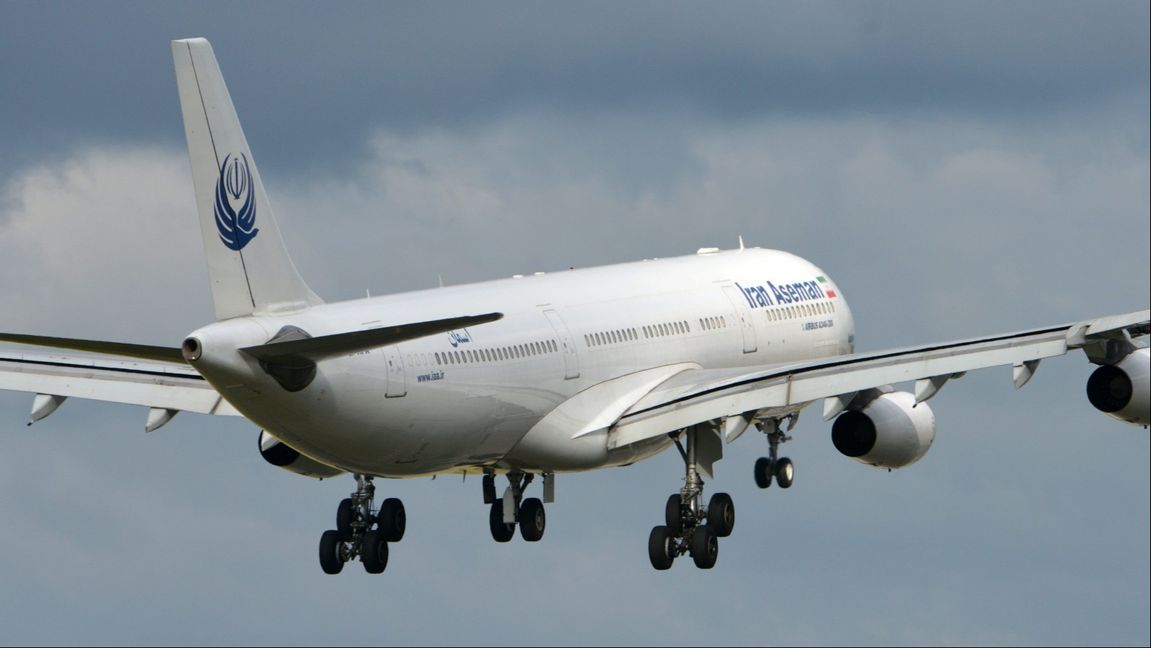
763	472
345	514
659	548
374	553
533	520
721	514
704	547
673	514
501	531
331	550
784	472
392	520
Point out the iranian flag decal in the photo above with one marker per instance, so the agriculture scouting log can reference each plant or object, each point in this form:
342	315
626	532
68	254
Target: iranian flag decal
823	284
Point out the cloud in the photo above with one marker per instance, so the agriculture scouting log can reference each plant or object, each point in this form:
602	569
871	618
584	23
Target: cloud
412	68
516	198
103	244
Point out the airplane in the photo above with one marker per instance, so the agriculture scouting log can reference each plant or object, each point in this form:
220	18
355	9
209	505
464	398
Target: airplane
532	376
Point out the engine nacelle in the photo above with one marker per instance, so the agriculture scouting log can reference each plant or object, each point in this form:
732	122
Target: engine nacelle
284	456
891	432
1121	390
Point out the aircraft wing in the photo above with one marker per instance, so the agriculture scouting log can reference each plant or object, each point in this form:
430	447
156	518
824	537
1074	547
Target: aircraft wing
733	395
166	387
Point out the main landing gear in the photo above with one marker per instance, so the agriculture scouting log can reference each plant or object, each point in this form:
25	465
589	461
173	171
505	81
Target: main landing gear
774	466
689	527
513	509
360	533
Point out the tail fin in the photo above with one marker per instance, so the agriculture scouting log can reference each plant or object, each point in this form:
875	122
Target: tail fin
248	265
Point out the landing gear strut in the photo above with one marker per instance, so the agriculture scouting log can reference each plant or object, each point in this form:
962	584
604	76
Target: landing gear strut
689	527
514	509
361	533
774	466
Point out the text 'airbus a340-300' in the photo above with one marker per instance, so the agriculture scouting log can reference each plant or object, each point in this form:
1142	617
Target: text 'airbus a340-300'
528	377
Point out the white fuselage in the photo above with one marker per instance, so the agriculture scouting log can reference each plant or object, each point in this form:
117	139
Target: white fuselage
468	398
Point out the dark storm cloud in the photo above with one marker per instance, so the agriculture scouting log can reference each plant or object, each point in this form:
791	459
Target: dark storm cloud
315	75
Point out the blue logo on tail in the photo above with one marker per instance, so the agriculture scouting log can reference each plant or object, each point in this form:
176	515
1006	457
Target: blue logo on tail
235	203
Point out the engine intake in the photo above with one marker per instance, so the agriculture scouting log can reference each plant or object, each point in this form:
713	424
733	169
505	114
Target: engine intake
890	432
284	456
1120	390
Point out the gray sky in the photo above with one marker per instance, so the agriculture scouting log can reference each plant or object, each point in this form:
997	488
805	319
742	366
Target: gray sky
959	169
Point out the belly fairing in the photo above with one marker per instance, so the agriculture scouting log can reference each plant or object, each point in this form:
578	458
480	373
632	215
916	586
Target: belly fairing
345	418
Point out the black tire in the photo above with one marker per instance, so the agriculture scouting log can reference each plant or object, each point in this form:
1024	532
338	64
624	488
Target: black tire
704	547
331	548
533	520
763	472
673	514
393	520
489	488
374	552
345	515
785	472
659	548
721	514
501	532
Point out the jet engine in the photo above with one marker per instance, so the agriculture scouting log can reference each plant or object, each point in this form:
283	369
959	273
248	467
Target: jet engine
282	455
891	431
1120	390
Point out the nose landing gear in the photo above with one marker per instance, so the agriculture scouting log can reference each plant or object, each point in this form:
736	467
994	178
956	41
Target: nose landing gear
361	533
781	469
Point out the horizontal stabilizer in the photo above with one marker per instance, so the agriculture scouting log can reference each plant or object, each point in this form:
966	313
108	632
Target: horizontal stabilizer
326	346
138	351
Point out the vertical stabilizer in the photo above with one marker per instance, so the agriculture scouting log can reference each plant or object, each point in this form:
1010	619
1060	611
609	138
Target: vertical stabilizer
248	265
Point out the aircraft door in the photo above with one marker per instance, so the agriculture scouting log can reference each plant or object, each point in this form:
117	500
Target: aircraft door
397	385
739	306
567	347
